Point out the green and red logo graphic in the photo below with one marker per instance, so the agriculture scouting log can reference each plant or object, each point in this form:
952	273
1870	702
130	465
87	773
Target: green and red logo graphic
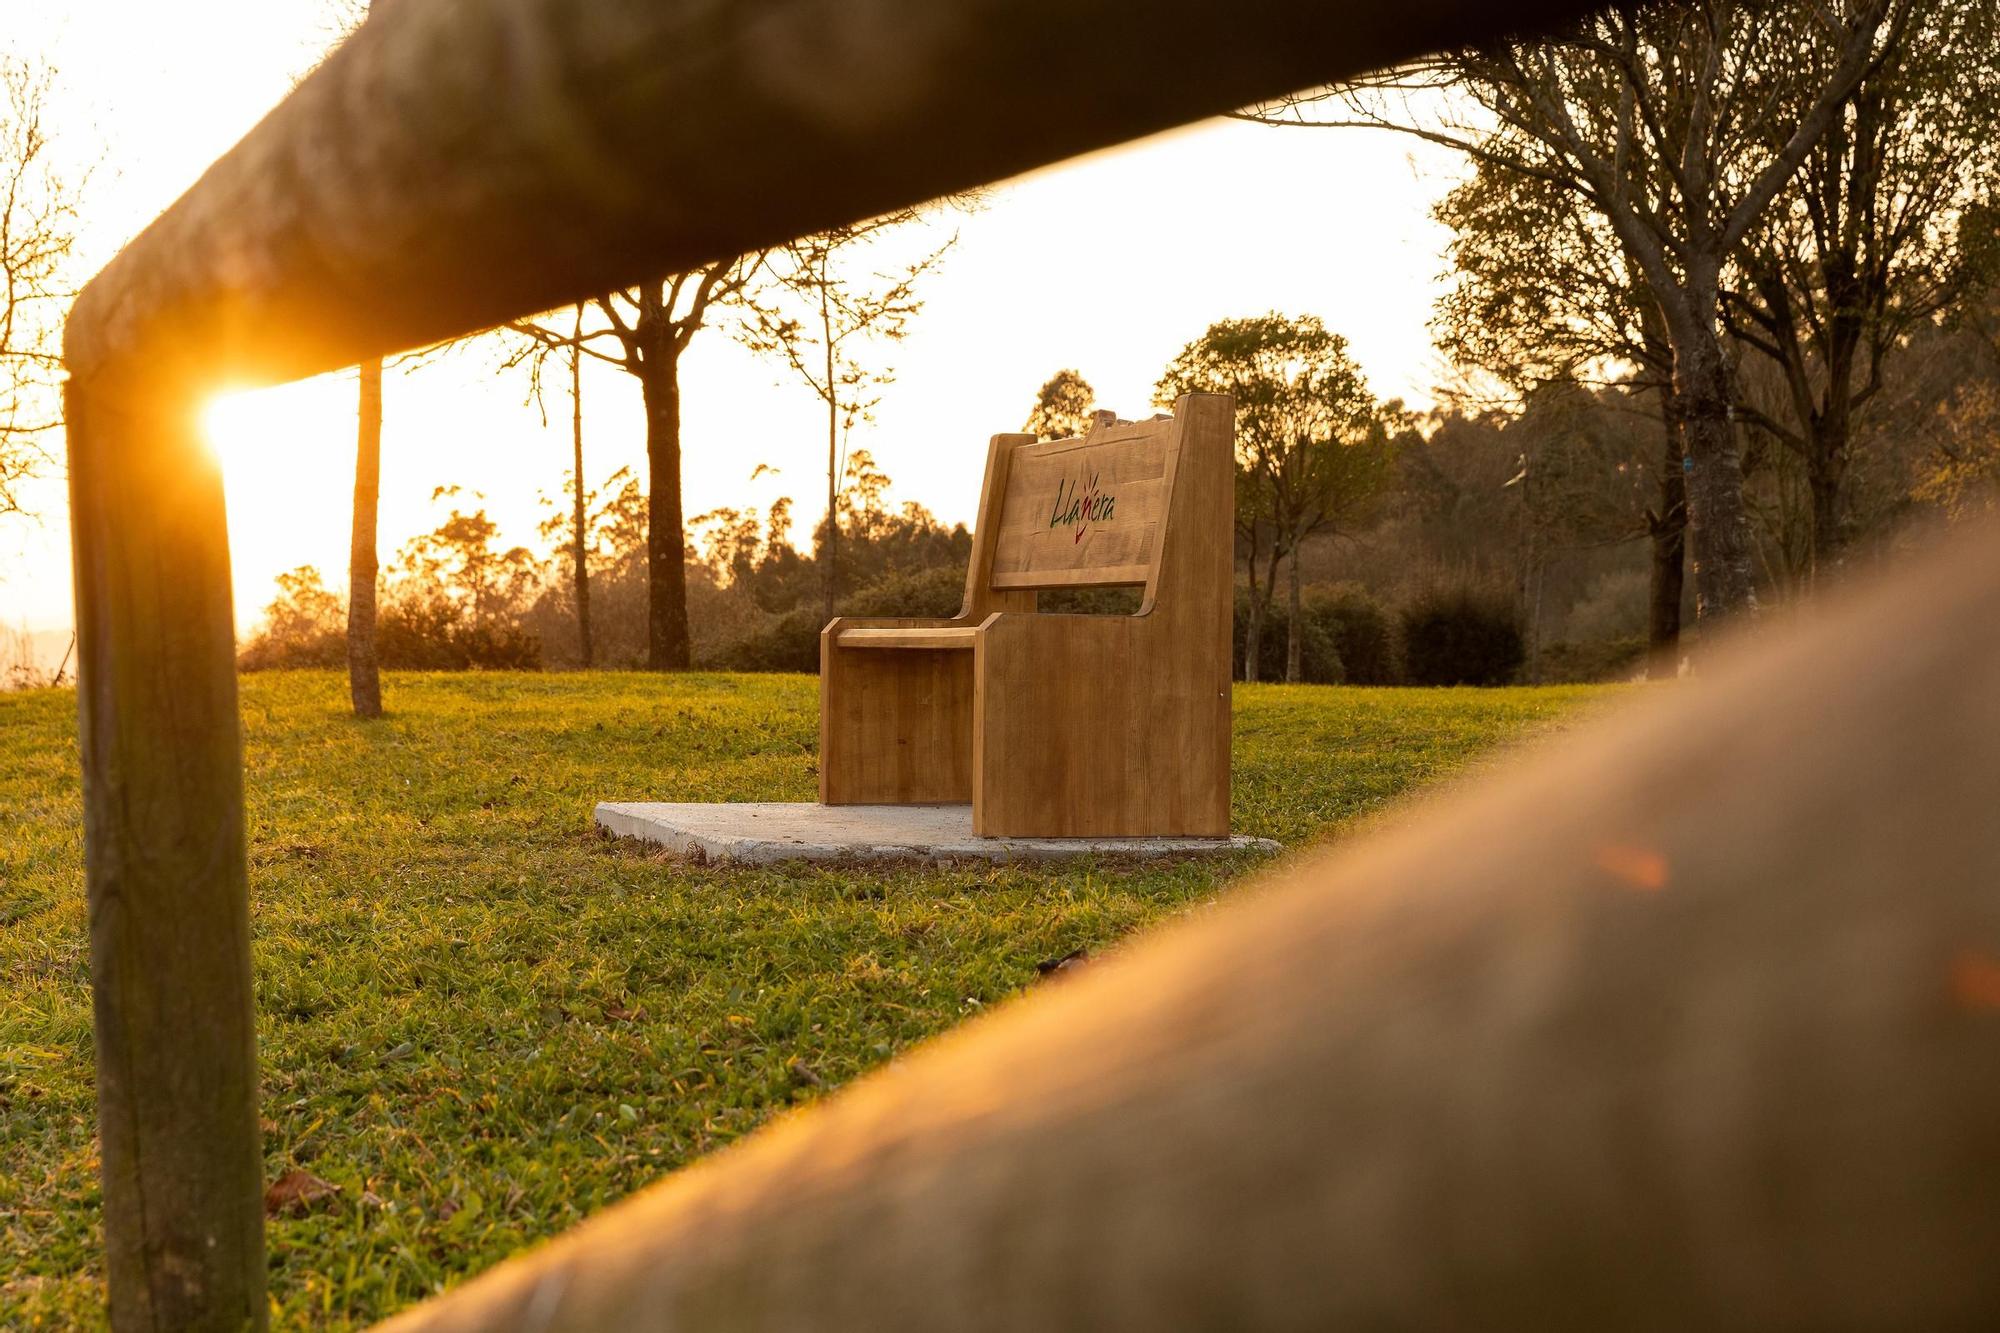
1080	506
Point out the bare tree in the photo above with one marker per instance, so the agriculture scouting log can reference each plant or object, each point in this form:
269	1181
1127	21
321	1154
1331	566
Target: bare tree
364	675
38	222
818	317
533	353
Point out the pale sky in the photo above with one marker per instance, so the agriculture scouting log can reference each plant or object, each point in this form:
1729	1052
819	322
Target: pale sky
1108	264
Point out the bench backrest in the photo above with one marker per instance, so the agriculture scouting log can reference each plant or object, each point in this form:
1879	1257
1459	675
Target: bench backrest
1097	511
1086	513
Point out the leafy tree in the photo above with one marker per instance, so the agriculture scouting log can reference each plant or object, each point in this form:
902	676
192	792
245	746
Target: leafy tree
1544	294
460	562
1667	121
1864	245
302	625
1062	407
1313	448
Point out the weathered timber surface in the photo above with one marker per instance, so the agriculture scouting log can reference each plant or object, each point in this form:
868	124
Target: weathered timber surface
1691	1021
164	857
458	163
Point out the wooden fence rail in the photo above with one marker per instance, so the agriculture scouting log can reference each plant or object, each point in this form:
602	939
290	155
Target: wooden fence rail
457	163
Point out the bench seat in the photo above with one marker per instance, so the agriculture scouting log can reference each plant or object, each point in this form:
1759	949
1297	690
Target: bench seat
938	637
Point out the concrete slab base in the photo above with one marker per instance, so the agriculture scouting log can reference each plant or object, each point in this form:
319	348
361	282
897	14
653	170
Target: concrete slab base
763	832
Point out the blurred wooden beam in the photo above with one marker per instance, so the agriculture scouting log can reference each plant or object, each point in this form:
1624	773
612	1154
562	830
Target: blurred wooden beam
1689	1021
461	162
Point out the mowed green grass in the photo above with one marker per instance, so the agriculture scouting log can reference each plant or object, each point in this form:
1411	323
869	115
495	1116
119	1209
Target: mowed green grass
482	1021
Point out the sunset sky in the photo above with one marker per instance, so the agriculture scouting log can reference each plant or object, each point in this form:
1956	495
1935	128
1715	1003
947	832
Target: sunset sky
1054	272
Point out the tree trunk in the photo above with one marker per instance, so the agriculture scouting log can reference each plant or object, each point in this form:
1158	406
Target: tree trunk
581	554
667	646
828	557
1826	468
1667	528
1825	476
1724	569
1253	619
831	543
1293	651
364	680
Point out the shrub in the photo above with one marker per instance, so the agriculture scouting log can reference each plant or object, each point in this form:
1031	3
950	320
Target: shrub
1319	654
304	626
1461	636
1363	633
433	634
1605	659
791	642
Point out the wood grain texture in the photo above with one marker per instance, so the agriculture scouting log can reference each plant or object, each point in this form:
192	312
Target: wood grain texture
460	163
895	725
164	858
895	728
452	166
1119	725
1086	512
939	638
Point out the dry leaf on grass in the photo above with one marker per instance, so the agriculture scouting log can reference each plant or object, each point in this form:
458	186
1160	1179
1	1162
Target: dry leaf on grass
296	1192
1073	961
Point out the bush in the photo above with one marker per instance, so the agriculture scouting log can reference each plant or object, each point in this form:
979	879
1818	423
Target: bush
1587	663
791	642
1461	636
1319	654
304	626
433	634
1362	630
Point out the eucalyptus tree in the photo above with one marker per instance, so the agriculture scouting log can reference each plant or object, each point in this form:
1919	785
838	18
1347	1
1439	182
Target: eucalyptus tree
1312	445
645	331
1544	294
1678	125
1868	242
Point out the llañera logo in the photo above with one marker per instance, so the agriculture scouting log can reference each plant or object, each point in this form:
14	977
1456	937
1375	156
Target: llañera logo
1080	508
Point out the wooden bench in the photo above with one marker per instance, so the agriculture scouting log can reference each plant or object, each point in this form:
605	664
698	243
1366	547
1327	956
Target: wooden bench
1060	725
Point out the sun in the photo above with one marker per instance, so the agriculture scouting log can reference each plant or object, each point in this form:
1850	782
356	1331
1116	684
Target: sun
237	425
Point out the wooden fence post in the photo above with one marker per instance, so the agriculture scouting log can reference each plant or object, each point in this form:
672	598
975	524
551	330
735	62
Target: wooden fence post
164	856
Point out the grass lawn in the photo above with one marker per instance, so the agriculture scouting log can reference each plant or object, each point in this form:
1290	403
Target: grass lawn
482	1021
